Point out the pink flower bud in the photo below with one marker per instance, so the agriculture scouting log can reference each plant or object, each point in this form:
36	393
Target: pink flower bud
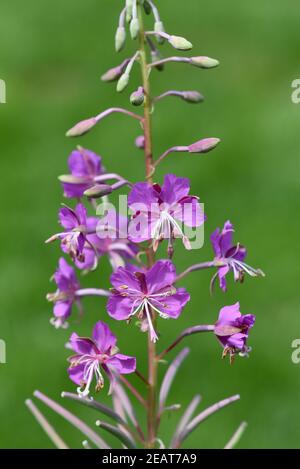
82	127
140	142
203	146
114	73
192	96
204	62
99	190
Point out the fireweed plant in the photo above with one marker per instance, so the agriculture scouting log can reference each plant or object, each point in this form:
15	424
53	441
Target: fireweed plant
145	290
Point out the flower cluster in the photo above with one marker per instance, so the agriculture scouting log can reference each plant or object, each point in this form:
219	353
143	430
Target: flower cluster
143	287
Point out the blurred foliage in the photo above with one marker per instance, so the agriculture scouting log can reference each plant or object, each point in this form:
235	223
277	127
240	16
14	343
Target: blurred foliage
52	55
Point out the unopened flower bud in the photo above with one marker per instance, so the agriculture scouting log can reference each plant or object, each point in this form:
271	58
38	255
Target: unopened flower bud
180	43
114	73
159	28
192	96
99	190
140	142
134	28
137	97
70	179
82	127
120	38
203	146
204	62
129	4
123	82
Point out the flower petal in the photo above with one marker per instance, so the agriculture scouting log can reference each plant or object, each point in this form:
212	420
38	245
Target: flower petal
189	211
82	345
161	275
123	277
144	194
76	373
228	314
173	305
174	188
62	309
103	337
119	307
84	162
123	364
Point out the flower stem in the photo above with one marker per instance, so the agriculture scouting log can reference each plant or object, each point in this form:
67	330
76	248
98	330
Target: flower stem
152	364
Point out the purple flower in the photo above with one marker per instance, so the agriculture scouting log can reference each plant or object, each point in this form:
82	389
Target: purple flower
84	166
96	355
232	329
65	295
230	257
160	211
109	237
74	236
144	293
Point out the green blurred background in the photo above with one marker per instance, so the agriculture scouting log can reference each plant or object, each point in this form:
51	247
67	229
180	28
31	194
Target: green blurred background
52	55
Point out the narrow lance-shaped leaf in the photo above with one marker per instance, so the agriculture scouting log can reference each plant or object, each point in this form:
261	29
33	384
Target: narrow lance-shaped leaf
185	420
49	430
94	405
236	436
204	415
119	391
118	433
75	421
169	377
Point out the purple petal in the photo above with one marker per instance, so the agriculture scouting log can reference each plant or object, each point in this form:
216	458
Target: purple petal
237	340
142	193
189	211
82	345
226	237
222	272
81	213
84	162
142	226
89	259
123	364
103	337
75	190
124	277
76	373
62	309
238	252
215	241
228	314
67	218
174	188
119	307
161	275
65	277
173	305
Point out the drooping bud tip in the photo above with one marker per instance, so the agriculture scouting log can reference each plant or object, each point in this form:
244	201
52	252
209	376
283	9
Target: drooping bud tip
137	97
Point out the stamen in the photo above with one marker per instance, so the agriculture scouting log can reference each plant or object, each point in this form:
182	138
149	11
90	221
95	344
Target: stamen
153	335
